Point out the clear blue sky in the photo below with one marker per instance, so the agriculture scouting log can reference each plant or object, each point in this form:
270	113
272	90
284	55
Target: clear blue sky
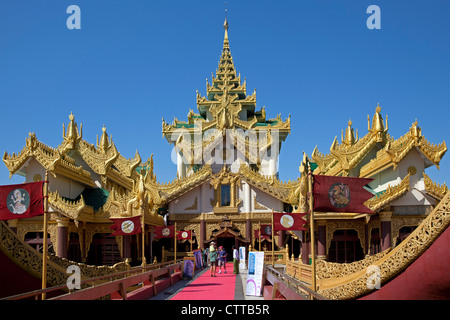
135	62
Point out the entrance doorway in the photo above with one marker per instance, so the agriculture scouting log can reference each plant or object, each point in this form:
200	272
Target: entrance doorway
345	247
227	243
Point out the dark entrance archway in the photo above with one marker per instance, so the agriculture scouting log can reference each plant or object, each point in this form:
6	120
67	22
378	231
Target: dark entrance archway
227	243
345	247
227	237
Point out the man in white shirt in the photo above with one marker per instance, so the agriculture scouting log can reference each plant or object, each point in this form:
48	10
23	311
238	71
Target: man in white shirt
235	260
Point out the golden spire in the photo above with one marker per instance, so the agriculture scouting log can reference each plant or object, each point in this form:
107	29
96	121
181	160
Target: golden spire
225	26
226	44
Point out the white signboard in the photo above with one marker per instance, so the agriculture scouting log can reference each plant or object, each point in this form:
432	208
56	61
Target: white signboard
241	257
255	273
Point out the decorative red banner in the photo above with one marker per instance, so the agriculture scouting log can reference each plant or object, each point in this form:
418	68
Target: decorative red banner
341	194
126	226
165	232
184	235
266	231
288	221
20	201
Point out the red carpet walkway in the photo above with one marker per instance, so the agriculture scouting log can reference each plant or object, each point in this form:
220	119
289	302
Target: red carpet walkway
205	287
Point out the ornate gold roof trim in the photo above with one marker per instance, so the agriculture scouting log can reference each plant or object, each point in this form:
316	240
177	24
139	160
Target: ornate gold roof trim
283	191
351	151
252	146
104	159
345	156
225	99
98	160
68	208
435	190
377	203
396	150
50	158
169	191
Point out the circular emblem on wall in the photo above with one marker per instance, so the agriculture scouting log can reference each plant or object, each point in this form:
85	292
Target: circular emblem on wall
339	195
412	170
127	226
184	234
287	221
165	232
18	201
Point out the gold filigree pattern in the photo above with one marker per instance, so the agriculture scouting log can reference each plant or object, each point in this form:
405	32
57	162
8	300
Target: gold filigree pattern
30	260
355	285
346	156
433	189
377	203
330	270
283	191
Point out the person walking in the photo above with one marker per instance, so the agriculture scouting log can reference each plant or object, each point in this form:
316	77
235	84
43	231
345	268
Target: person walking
235	260
222	260
213	258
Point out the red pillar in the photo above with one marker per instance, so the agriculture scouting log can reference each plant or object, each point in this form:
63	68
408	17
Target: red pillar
62	236
202	234
321	242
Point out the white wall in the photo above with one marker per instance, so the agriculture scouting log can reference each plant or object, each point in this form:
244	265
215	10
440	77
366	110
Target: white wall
417	194
65	187
205	193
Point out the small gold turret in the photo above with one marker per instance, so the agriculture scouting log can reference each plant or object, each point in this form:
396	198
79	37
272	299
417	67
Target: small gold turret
349	138
377	124
416	132
105	141
72	136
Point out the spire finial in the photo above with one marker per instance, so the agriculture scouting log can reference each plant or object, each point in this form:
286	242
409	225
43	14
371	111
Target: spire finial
226	26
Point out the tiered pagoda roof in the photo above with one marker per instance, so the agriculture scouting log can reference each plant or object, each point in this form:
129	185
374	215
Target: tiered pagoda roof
110	180
226	106
376	152
349	155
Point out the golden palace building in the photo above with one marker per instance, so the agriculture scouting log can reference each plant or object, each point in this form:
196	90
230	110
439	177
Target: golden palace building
226	184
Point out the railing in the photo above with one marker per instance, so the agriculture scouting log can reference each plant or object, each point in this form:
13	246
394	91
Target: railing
279	256
114	285
287	287
296	269
170	255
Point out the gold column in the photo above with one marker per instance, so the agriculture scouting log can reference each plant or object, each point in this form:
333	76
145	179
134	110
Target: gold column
311	222
44	250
